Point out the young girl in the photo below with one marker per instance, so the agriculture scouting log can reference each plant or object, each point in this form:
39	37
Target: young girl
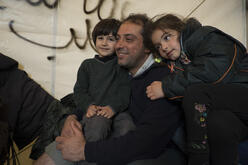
210	74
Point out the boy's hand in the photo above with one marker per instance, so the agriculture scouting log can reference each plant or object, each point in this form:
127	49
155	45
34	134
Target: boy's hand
91	111
155	91
105	111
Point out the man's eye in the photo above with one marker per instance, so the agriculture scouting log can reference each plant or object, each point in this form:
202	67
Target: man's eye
129	39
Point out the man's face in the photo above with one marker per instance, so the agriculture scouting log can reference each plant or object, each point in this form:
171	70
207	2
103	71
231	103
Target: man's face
129	47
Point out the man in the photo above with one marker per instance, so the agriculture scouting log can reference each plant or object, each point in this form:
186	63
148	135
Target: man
155	121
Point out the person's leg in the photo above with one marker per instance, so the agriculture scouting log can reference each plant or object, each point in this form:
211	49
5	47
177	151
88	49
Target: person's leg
201	99
52	156
225	131
96	128
171	156
195	105
122	123
44	159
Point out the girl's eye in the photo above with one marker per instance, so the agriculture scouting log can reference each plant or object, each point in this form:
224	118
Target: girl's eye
166	37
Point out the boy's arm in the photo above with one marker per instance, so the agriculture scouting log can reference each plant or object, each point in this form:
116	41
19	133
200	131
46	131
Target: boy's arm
82	97
120	100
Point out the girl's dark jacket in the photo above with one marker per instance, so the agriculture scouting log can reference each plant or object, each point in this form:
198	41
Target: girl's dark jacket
215	58
26	101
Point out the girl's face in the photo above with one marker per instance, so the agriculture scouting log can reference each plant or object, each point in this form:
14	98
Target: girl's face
105	45
167	43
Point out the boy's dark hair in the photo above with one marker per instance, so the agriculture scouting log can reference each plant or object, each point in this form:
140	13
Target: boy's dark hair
105	27
144	21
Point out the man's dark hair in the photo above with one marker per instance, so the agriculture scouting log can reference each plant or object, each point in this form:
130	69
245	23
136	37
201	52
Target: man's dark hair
144	21
105	27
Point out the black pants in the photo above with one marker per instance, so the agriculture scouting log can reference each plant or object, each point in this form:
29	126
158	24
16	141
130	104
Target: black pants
216	121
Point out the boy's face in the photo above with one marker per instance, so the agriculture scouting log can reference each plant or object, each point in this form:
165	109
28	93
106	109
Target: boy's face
105	45
167	43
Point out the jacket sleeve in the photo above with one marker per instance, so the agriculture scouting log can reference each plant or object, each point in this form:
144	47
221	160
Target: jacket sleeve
81	96
34	102
211	59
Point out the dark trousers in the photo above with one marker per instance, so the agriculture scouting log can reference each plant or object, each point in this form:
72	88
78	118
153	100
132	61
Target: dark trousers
216	121
98	128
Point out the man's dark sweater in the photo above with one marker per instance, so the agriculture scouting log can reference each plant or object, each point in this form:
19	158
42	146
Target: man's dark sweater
156	121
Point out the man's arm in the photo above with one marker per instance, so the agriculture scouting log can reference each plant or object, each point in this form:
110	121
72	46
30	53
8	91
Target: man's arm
67	130
150	138
152	134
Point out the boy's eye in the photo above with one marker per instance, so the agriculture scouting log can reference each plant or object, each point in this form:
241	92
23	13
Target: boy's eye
99	37
112	38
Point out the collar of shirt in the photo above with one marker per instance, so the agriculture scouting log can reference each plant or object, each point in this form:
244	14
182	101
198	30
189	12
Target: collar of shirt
106	58
149	61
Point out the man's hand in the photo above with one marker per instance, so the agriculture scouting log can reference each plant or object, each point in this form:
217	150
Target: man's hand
105	111
67	130
155	91
91	111
72	148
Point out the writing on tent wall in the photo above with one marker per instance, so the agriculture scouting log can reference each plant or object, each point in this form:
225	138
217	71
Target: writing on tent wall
73	34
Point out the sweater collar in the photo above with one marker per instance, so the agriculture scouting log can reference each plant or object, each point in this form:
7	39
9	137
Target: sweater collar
106	58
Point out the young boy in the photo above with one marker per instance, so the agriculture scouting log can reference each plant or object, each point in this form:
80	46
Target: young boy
102	87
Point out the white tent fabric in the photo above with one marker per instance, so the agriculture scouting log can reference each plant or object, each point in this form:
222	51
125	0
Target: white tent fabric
29	30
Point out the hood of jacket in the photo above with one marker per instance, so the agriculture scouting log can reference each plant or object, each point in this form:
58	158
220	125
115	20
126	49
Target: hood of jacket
7	63
191	26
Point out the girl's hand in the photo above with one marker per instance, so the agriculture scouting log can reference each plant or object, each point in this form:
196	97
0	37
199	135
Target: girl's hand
155	91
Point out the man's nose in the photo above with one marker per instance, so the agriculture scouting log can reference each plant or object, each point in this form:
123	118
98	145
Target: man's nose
119	44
